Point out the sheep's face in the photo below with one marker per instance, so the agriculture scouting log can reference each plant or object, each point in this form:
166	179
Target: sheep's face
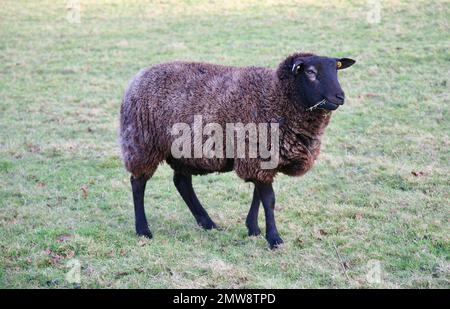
317	82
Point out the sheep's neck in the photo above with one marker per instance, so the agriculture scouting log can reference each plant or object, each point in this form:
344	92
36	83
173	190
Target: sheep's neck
309	123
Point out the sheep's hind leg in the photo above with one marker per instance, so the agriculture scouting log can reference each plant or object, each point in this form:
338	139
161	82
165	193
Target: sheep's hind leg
183	183
138	188
268	200
252	218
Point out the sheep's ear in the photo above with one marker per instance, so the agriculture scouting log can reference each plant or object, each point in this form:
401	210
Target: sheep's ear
344	63
297	66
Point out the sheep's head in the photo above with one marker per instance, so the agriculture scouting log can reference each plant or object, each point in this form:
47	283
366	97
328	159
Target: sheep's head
313	80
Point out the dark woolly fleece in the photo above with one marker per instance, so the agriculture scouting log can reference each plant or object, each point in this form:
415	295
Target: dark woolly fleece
174	92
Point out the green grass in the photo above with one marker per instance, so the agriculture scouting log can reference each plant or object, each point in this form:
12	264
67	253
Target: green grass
65	194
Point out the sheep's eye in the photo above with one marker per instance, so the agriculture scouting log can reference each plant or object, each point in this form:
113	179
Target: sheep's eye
338	64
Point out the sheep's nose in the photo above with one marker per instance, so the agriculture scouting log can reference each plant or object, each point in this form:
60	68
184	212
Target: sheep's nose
340	98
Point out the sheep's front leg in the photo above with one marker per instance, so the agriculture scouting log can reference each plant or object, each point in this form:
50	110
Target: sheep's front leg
138	188
268	200
183	183
252	218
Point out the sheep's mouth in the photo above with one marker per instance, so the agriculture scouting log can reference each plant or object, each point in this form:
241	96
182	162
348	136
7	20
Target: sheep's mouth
324	104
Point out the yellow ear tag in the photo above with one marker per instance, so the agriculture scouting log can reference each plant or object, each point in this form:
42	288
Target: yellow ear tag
339	64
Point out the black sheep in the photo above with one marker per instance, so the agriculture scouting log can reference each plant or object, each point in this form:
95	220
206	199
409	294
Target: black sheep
298	96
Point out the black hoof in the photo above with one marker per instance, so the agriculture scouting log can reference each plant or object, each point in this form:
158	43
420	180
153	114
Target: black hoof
144	232
274	241
207	224
254	231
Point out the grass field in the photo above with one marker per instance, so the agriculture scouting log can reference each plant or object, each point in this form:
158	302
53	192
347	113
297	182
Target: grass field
374	211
